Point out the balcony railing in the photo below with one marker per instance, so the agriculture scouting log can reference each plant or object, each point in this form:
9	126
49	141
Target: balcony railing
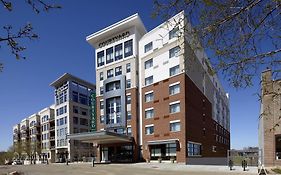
52	128
52	138
52	147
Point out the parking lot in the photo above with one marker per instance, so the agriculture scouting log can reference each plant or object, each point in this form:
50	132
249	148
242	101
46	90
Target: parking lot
122	169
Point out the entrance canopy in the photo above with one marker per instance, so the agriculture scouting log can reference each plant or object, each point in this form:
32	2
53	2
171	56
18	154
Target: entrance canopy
159	142
100	137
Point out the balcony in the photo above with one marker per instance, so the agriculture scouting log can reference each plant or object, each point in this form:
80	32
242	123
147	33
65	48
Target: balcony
52	147
52	138
52	128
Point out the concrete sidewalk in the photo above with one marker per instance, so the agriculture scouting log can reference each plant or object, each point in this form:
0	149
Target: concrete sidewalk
195	168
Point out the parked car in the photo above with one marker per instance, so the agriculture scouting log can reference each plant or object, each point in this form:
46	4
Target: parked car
17	162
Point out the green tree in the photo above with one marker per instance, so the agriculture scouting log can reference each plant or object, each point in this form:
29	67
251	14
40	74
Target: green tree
12	39
242	37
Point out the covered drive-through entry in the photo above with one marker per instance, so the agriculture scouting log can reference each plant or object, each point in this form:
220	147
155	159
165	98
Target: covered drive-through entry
109	146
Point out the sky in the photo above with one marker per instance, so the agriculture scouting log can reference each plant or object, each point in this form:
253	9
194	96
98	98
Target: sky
25	84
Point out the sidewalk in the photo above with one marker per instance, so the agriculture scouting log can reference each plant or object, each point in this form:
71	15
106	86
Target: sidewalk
195	168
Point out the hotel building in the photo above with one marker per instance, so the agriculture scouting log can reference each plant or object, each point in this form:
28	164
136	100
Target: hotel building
73	114
155	96
269	123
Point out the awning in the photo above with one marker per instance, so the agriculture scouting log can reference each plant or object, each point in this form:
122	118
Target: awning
159	142
100	137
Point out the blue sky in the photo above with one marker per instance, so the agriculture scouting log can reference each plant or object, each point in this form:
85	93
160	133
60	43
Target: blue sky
24	84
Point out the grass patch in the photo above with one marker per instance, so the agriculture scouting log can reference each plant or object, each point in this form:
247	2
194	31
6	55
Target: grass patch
276	170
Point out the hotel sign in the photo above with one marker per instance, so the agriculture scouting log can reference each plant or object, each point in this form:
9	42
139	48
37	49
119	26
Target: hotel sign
93	112
114	39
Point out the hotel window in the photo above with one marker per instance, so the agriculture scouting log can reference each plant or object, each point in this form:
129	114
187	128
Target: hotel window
101	105
128	83
128	48
148	80
174	52
115	85
175	107
175	126
84	111
129	131
101	90
174	70
148	47
83	99
84	122
110	73
75	96
129	115
171	149
102	119
118	52
149	113
149	130
75	120
118	70
100	57
194	149
174	33
101	76
174	89
128	67
148	97
148	64
109	55
128	99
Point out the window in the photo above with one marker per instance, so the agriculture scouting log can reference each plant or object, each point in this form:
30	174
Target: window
109	55
128	83
101	105
171	149
175	107
102	119
75	120
129	131
84	111
75	96
148	64
101	76
174	33
128	67
149	129
175	126
113	86
118	70
174	70
101	90
83	99
148	80
174	52
174	89
149	113
148	97
110	73
100	58
84	121
129	115
148	47
118	52
128	99
128	48
194	149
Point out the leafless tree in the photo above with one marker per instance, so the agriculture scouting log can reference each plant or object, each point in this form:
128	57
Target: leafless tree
11	38
241	37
